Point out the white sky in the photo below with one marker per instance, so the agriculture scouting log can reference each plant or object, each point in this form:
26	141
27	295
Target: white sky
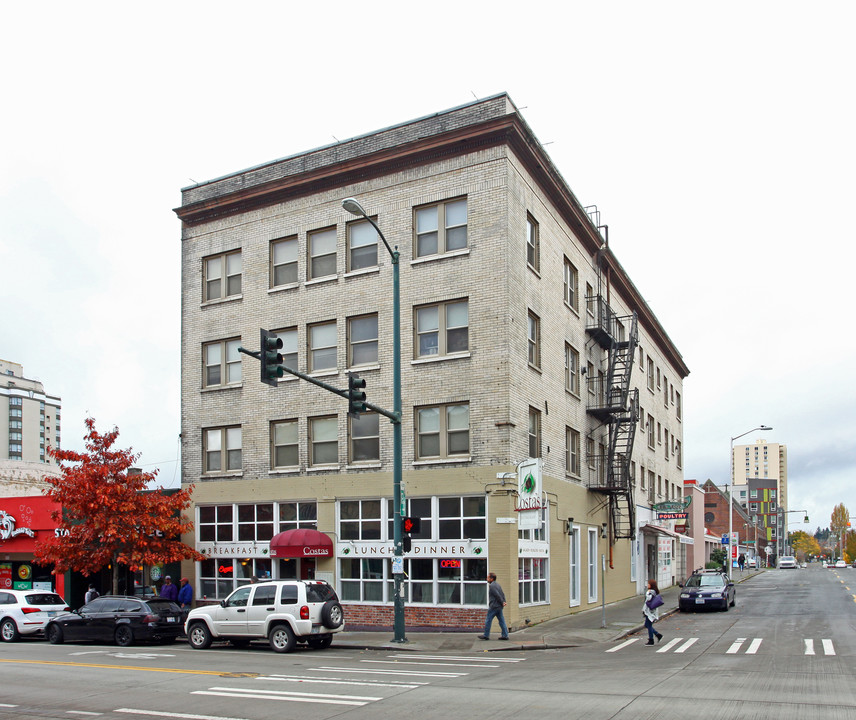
717	140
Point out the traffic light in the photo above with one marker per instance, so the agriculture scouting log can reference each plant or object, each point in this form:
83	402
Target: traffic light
409	525
356	396
271	359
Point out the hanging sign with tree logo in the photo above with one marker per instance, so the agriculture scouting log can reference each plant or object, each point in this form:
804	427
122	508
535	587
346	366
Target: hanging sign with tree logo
529	496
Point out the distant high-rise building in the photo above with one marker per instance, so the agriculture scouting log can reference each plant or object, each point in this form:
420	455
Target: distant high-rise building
34	417
762	465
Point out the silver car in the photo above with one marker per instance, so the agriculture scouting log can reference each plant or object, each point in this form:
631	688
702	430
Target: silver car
26	612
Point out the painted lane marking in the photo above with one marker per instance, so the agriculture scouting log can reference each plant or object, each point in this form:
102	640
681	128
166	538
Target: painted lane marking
669	645
407	662
180	671
735	646
180	716
82	712
322	698
337	681
7	705
456	657
753	646
828	649
623	645
809	647
409	673
686	645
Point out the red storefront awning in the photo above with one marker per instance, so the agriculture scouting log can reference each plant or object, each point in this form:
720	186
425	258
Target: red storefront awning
303	542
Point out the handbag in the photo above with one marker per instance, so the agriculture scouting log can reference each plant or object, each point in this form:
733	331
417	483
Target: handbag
655	602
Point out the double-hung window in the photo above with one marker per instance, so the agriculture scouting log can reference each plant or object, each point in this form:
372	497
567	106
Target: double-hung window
221	449
534	433
221	276
442	329
322	346
362	245
323	441
572	451
534	340
443	431
533	244
441	228
322	253
362	340
289	347
572	369
283	262
571	286
222	363
364	438
284	445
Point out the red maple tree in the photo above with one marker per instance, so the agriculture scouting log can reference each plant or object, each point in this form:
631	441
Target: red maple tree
109	517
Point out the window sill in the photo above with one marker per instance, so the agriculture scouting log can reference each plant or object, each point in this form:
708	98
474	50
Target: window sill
221	476
283	288
440	256
220	301
373	270
570	307
442	461
573	394
323	468
215	388
322	280
536	368
322	373
364	466
284	471
535	270
363	368
440	358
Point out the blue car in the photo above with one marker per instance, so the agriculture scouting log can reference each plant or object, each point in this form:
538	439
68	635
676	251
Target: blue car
707	589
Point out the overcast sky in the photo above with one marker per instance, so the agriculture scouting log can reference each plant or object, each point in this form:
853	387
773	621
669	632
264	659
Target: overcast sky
716	139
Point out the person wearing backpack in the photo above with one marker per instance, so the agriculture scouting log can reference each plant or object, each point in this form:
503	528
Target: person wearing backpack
649	611
91	594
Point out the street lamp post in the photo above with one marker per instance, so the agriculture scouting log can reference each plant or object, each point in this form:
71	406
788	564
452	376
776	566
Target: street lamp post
731	490
354	207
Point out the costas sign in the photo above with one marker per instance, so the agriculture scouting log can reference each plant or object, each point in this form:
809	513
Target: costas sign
529	501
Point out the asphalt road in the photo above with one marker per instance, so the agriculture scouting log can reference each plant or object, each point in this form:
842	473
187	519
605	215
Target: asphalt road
785	651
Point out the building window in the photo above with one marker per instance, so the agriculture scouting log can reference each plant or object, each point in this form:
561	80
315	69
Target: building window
16	401
216	523
678	408
222	363
441	228
461	518
753	507
322	253
651	432
221	276
255	522
650	374
16	413
360	519
678	455
443	431
323	441
571	286
365	438
534	433
572	451
322	347
592	565
590	302
284	444
289	347
221	449
534	332
532	243
283	262
362	245
442	329
294	515
532	577
572	370
362	340
574	561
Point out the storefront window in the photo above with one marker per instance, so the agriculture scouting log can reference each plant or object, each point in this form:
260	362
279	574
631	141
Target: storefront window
532	581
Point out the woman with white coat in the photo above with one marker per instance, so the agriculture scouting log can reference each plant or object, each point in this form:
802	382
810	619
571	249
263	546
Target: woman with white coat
651	616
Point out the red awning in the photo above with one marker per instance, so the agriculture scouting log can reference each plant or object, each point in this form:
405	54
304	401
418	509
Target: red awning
303	542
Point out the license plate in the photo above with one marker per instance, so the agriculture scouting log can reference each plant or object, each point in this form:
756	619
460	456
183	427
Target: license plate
51	613
699	601
170	619
316	629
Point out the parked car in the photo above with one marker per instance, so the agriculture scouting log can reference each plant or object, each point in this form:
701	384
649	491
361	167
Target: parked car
284	612
123	619
26	612
787	562
752	563
840	564
707	589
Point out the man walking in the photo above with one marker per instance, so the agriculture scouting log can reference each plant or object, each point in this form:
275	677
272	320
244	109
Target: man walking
495	603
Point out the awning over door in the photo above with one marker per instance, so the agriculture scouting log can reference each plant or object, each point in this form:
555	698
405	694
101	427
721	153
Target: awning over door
303	542
658	530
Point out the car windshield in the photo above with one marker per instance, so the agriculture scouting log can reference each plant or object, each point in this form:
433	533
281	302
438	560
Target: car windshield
705	581
44	599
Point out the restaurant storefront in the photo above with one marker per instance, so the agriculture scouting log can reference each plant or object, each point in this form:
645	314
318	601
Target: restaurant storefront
23	522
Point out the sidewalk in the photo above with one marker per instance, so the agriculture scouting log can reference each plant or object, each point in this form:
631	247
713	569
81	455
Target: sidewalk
622	618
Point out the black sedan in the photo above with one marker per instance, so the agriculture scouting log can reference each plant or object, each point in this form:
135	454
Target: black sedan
707	589
120	619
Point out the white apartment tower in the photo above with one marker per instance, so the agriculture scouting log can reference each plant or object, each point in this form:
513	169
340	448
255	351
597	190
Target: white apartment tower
759	461
34	417
524	343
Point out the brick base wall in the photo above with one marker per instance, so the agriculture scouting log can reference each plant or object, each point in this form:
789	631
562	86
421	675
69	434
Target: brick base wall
380	617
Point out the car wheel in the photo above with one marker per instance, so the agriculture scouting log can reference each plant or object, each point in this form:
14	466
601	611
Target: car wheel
332	615
9	631
55	634
124	636
320	643
734	600
199	636
240	642
281	638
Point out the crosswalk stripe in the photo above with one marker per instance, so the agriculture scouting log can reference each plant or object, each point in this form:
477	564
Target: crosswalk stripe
456	657
753	646
338	681
809	646
669	645
735	646
686	645
265	696
409	673
827	647
409	662
623	645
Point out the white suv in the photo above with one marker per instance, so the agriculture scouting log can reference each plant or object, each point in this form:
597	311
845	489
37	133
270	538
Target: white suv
283	611
26	612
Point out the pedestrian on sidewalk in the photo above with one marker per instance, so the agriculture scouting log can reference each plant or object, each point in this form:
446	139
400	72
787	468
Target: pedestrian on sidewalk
651	616
495	603
741	561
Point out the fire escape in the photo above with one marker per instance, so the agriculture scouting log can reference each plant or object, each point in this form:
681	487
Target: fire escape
613	404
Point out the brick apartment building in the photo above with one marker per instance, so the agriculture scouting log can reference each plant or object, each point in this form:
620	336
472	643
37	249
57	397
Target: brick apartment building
522	337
